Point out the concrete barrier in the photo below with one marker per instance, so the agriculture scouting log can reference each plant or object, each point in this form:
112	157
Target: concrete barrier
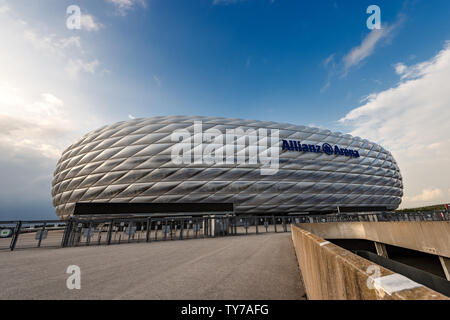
330	272
426	236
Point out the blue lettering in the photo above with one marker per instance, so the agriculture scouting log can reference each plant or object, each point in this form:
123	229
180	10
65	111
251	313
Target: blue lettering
292	145
336	150
285	145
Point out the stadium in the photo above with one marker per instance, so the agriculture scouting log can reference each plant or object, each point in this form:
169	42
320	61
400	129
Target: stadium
259	167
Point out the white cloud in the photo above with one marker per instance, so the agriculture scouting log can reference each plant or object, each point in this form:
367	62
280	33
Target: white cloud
32	124
329	60
33	132
368	45
157	80
69	42
62	48
411	120
89	23
50	43
4	8
331	65
123	6
365	49
42	109
74	67
400	68
427	195
358	54
415	71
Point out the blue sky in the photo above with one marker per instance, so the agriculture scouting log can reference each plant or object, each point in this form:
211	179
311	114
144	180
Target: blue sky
305	62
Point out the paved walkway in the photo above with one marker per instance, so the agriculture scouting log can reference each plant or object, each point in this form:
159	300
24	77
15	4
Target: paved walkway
242	267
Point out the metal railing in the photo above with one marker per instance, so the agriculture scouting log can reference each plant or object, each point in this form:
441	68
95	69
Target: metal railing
81	232
85	232
387	216
31	234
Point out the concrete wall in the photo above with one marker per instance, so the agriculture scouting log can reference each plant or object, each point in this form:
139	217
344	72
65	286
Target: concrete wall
331	272
425	236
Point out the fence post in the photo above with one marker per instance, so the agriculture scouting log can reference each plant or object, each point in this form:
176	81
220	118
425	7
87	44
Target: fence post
41	235
16	235
210	227
67	232
231	220
149	228
88	239
73	234
111	224
129	228
165	229
256	223
100	231
181	229
274	223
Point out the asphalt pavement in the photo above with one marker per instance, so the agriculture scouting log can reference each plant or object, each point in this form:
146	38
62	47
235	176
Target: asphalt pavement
241	267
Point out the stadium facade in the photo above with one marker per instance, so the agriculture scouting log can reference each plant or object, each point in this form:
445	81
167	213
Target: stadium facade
261	167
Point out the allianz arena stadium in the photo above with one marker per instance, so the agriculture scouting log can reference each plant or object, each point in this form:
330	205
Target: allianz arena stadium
260	167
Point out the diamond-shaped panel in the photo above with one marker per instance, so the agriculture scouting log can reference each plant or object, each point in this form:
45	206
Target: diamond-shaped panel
130	161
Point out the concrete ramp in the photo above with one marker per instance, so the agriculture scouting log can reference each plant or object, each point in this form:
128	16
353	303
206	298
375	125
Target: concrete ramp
331	272
426	236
